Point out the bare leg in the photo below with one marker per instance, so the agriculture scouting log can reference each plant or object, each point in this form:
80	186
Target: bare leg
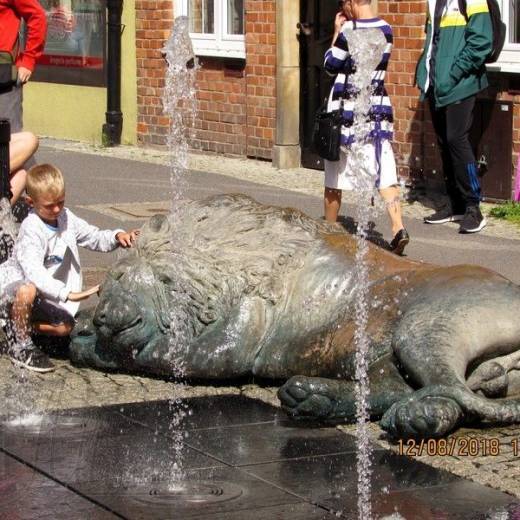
22	146
332	203
17	185
21	312
61	329
393	206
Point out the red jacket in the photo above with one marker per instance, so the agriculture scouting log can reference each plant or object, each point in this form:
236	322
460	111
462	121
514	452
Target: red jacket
11	13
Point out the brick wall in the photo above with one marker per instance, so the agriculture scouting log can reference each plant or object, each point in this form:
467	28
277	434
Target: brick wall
236	100
154	19
260	77
511	93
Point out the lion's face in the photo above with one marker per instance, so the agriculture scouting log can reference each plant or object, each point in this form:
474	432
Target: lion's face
132	312
193	275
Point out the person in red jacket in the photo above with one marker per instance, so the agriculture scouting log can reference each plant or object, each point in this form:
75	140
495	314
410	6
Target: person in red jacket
11	14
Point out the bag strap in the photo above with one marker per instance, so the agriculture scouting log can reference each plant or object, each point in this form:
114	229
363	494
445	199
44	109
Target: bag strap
463	9
16	48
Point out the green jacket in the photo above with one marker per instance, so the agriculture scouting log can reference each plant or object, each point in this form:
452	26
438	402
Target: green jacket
461	51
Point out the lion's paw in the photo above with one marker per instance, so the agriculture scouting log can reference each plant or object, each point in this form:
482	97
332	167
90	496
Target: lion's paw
490	379
306	398
424	417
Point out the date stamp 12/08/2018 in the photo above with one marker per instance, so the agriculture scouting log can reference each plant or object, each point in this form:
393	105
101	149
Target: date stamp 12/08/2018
458	447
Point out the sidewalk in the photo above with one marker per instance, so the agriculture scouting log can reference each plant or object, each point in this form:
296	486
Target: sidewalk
298	180
122	186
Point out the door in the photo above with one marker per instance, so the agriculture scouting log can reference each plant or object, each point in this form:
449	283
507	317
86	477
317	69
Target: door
316	31
492	138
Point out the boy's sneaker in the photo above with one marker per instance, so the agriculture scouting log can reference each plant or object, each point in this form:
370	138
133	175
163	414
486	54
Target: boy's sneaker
443	215
473	220
32	358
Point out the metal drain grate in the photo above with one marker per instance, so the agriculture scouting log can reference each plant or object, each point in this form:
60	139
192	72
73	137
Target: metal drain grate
188	492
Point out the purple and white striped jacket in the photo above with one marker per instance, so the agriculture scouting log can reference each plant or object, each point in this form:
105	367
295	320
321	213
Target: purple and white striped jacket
339	62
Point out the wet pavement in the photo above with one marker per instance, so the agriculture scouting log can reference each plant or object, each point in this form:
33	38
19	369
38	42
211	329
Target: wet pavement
241	459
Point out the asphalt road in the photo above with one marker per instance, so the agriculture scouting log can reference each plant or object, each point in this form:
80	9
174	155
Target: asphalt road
97	180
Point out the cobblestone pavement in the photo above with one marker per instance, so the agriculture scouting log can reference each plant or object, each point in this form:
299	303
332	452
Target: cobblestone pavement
490	459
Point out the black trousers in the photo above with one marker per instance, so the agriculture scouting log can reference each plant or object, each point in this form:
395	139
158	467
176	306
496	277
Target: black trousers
452	125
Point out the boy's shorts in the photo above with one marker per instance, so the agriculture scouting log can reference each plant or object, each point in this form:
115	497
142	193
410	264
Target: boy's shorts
45	311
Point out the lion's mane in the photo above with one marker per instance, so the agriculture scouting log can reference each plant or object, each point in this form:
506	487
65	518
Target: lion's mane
224	248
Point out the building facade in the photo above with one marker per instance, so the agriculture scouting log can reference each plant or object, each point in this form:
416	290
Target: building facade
67	95
260	81
259	89
236	91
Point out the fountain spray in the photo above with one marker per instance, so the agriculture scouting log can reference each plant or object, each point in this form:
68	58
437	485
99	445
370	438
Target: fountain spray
179	104
366	48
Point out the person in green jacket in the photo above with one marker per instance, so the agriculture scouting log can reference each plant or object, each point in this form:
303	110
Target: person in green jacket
450	73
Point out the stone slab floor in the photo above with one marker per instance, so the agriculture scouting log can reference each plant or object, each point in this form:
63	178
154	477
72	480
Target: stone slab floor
97	456
107	447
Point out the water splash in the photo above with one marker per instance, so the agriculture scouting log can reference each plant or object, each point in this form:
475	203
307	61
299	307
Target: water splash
8	232
179	103
19	397
366	48
8	227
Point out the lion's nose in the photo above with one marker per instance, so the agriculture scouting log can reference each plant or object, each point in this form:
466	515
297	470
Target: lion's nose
117	310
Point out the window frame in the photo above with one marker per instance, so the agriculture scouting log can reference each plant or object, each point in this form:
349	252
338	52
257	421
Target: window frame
509	59
218	44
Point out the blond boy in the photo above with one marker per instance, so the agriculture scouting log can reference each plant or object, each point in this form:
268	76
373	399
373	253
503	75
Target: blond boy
43	277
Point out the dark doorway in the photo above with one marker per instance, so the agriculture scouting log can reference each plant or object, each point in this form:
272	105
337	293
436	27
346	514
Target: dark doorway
316	30
492	137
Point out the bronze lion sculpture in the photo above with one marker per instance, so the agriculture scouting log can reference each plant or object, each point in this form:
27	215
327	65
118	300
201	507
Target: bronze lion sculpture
269	292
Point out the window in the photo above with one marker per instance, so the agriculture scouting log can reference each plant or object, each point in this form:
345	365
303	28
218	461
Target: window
216	26
511	14
75	46
510	57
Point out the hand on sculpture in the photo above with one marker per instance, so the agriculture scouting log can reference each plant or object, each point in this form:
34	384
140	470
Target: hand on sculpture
83	295
127	239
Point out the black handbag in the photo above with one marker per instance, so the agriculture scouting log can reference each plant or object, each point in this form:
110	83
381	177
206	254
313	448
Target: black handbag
326	134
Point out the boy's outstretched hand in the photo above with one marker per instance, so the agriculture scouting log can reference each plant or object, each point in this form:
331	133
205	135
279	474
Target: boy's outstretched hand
127	239
83	295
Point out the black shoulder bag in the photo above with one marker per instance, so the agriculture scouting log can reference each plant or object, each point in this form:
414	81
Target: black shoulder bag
326	134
